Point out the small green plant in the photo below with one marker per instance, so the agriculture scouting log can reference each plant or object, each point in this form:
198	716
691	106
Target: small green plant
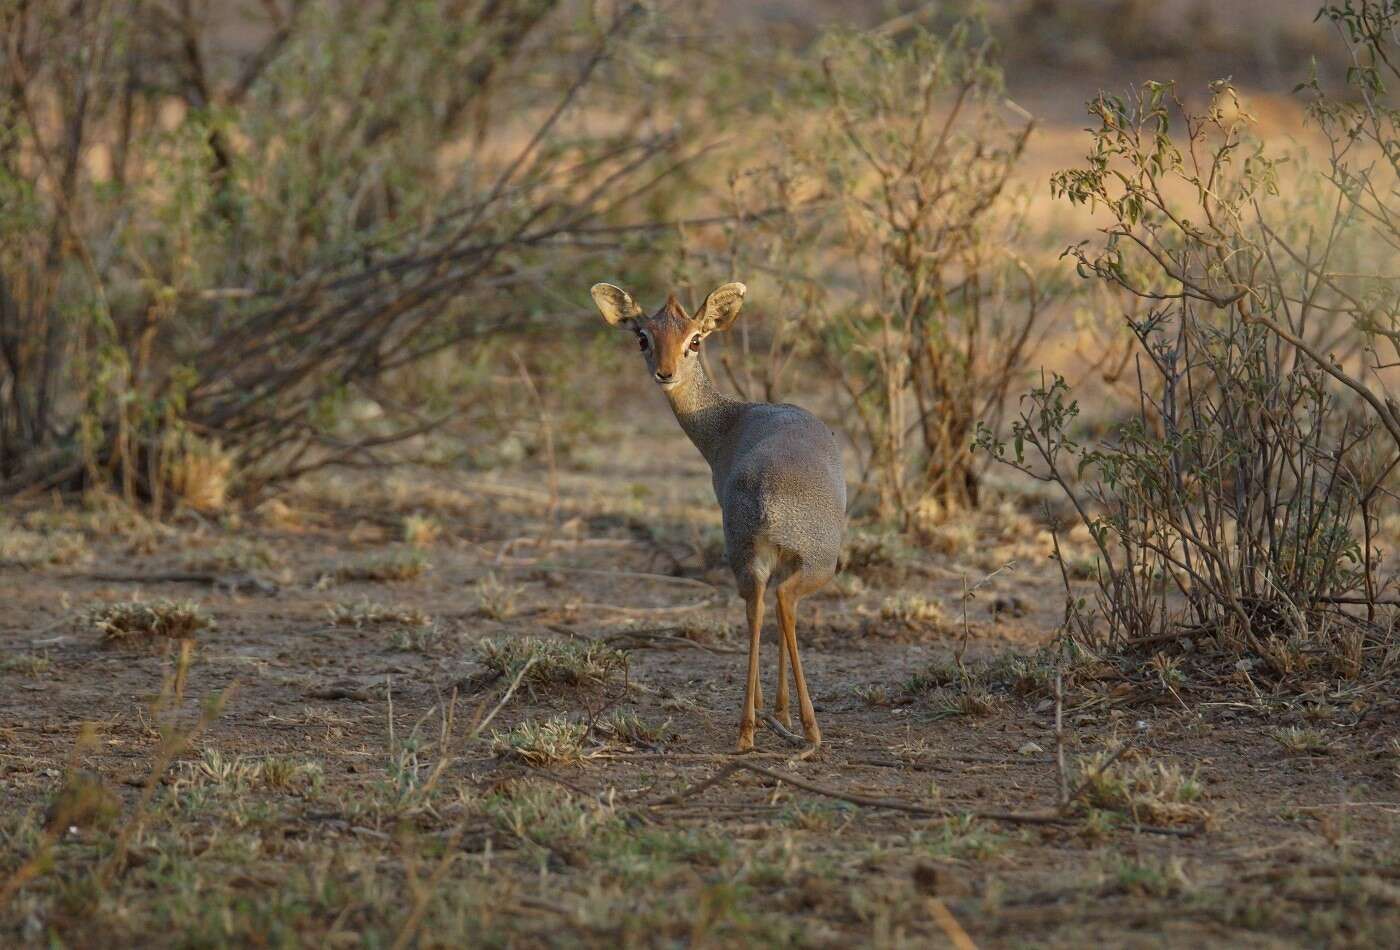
965	837
138	621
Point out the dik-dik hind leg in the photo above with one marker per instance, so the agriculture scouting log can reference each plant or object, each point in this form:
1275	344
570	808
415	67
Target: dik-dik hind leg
780	707
747	722
789	593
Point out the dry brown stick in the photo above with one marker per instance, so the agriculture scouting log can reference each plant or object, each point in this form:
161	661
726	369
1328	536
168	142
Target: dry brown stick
231	581
641	575
692	790
953	930
867	801
680	609
658	637
1060	742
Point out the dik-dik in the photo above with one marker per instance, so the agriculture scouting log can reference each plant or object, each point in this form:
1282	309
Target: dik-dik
777	474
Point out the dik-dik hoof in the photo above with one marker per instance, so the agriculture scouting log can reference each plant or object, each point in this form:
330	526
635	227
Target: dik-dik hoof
745	743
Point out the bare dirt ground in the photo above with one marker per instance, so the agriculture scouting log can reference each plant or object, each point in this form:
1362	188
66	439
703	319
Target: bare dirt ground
347	791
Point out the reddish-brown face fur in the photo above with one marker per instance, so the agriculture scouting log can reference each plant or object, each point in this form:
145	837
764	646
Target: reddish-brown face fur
668	333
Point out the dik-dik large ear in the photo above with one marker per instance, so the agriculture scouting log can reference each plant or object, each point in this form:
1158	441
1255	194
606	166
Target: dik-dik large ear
721	307
615	304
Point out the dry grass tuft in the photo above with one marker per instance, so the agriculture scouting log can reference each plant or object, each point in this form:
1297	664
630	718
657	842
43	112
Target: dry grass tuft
1151	792
30	664
368	613
553	663
240	772
235	555
630	728
1302	740
137	621
24	548
555	741
497	599
199	474
420	530
395	567
915	612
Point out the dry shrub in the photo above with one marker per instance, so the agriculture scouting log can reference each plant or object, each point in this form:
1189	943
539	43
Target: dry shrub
1238	496
281	229
136	621
899	154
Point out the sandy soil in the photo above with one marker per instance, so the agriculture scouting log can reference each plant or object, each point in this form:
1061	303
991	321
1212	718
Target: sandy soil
1297	848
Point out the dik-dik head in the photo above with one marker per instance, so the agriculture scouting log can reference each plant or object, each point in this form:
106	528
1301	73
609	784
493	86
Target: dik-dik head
670	338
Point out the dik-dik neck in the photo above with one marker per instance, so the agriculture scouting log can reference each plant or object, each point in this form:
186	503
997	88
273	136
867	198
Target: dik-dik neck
704	413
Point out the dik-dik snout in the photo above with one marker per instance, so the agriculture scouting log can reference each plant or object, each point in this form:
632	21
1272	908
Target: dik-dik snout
670	339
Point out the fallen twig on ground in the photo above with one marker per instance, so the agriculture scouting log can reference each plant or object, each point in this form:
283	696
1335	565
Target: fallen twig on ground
231	582
658	637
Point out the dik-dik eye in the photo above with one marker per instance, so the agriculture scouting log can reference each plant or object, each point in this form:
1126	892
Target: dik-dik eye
642	342
695	344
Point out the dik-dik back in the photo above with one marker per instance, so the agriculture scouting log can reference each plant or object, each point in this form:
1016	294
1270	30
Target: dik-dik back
782	492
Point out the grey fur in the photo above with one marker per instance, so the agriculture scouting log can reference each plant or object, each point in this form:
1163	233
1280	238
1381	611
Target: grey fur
777	475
